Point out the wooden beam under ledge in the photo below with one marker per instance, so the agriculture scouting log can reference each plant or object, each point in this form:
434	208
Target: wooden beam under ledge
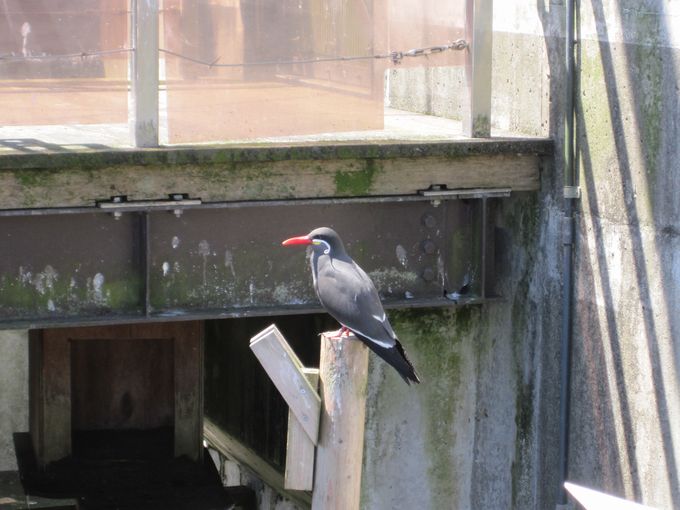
234	449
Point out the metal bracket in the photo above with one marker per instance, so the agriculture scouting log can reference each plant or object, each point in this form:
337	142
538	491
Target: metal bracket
174	200
441	191
572	192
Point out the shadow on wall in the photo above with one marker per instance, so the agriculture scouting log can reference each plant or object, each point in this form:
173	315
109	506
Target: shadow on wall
626	363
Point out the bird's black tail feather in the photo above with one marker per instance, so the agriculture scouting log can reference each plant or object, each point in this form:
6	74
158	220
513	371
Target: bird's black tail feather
395	356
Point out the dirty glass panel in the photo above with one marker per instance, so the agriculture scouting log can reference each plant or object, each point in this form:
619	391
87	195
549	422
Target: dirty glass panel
269	95
426	23
56	267
63	62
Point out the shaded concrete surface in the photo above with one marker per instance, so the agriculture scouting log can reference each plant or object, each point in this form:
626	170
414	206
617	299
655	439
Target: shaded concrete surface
472	434
13	393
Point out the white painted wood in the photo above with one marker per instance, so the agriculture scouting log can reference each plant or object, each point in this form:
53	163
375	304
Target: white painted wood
144	73
232	448
337	475
299	473
595	500
286	372
231	473
479	34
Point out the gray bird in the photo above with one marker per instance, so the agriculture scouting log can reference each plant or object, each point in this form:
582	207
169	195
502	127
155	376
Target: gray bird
349	296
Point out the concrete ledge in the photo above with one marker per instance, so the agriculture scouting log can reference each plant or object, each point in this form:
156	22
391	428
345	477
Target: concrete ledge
186	155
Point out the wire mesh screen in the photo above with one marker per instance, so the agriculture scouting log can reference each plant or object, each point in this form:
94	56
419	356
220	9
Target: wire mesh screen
63	62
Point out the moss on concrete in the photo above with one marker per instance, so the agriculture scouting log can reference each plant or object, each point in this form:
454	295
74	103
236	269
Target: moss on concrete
34	295
356	183
230	154
648	62
435	337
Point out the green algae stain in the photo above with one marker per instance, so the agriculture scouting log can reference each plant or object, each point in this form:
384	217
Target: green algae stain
123	294
41	294
356	183
524	411
648	60
593	110
435	339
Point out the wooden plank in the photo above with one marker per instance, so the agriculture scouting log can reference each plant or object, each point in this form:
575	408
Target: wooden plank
50	374
188	340
283	179
343	371
479	34
232	448
286	372
299	474
51	383
144	92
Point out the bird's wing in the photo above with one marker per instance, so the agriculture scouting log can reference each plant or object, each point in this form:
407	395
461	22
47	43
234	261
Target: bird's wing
348	294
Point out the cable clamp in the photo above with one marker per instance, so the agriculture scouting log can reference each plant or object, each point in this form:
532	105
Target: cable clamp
572	192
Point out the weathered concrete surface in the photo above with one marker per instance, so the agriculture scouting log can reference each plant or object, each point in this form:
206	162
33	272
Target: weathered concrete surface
481	431
261	173
626	403
13	393
625	426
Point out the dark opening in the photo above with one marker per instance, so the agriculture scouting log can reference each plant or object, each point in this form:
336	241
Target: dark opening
122	393
239	396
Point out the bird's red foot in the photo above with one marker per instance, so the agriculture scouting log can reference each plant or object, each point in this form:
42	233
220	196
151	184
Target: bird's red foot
340	333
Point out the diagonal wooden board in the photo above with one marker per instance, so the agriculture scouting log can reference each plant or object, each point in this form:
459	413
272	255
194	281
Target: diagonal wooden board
287	373
299	474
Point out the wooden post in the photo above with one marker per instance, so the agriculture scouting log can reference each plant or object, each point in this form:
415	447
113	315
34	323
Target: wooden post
479	34
299	474
144	73
343	370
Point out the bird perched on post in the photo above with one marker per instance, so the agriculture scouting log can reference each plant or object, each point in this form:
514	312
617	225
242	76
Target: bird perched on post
350	297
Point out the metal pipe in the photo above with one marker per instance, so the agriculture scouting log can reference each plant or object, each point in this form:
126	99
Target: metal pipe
567	255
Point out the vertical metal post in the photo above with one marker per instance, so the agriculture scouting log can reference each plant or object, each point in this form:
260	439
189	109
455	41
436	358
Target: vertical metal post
146	261
479	34
484	246
144	73
568	238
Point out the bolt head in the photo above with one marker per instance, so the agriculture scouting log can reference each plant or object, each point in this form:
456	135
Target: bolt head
428	274
429	246
429	221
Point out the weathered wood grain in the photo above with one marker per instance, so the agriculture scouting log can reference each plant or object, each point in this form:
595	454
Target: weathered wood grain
286	372
299	474
269	180
232	448
343	371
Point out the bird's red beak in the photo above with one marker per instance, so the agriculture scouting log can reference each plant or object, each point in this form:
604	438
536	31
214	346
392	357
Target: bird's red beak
297	240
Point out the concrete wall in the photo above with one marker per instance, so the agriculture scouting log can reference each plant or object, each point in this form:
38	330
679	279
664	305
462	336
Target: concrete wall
481	431
625	420
625	435
13	393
